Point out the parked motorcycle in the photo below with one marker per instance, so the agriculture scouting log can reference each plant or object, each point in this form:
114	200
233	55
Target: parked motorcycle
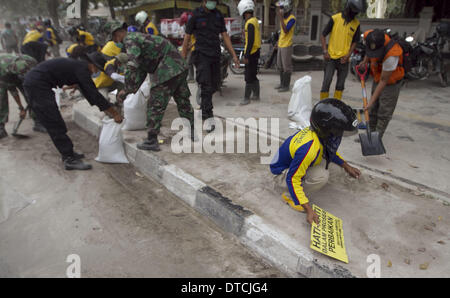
426	59
357	57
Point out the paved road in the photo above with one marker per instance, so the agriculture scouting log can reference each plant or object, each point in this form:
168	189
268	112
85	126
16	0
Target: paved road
120	224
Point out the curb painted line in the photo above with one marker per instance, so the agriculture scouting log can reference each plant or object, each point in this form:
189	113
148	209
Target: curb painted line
271	244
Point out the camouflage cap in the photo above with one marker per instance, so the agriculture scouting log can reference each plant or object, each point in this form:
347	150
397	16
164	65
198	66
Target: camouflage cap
110	27
24	63
122	58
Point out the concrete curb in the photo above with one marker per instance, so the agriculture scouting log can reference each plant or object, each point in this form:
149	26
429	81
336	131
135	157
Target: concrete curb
271	244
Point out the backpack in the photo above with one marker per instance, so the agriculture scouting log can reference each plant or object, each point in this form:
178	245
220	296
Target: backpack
407	52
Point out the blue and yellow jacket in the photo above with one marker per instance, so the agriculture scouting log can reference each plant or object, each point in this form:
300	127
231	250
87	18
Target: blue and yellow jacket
298	153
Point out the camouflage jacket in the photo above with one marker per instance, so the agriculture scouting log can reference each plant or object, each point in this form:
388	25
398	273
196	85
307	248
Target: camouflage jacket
13	69
154	55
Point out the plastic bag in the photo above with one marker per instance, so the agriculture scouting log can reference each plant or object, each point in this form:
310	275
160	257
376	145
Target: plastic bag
58	96
135	108
300	106
111	148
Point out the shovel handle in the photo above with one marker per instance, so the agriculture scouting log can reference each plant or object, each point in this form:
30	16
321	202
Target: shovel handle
362	75
364	91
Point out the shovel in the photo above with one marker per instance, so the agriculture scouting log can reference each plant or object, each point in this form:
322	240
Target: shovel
371	143
16	127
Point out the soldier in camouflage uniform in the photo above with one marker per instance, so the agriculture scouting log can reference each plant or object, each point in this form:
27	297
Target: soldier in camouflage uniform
12	71
168	76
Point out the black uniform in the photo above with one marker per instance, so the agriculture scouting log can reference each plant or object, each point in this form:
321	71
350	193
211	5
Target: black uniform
206	27
50	74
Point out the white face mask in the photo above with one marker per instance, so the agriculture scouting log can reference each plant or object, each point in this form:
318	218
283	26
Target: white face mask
97	74
211	5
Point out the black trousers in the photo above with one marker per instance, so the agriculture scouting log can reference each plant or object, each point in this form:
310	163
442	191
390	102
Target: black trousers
251	69
330	67
43	104
35	49
208	78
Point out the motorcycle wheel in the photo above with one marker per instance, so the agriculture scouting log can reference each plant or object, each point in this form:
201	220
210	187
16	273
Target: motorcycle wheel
238	71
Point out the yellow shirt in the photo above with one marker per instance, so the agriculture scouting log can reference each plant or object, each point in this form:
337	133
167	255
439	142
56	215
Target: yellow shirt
341	36
152	26
103	80
33	35
70	49
53	36
110	49
89	39
286	38
257	38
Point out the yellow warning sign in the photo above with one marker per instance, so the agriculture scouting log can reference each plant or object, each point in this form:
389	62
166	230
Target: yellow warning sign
327	237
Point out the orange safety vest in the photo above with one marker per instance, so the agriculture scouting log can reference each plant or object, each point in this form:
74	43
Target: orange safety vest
376	66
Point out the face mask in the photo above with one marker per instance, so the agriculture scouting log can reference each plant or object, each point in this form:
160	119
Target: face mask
119	45
210	5
96	75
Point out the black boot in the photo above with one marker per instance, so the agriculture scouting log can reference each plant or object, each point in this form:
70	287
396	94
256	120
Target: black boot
3	133
256	89
39	127
248	93
286	83
71	163
281	81
151	144
76	156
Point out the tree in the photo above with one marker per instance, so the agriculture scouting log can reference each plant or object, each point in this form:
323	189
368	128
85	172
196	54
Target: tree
111	9
53	12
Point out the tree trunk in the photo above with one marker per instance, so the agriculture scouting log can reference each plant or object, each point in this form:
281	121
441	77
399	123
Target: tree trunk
84	12
53	12
111	9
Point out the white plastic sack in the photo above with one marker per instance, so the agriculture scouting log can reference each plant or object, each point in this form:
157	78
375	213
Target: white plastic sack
300	106
111	143
58	96
135	108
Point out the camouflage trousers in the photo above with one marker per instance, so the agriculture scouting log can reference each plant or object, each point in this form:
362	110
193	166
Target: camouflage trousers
159	99
4	106
381	113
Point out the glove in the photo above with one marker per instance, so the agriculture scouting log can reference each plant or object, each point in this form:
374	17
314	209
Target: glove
118	78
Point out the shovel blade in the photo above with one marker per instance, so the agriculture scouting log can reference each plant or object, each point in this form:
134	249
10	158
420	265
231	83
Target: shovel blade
371	144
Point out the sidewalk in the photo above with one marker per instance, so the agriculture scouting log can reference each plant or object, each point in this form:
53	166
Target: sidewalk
417	139
400	224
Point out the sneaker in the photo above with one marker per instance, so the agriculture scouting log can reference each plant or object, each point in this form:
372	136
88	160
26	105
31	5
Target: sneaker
71	163
287	198
244	102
